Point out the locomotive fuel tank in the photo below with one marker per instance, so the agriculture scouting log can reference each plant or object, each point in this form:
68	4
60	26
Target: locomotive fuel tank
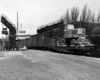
95	36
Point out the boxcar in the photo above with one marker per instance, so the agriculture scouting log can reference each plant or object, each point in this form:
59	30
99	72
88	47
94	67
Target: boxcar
26	42
33	41
42	40
18	44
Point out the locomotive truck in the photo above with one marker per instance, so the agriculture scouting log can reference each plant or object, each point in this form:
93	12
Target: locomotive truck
59	37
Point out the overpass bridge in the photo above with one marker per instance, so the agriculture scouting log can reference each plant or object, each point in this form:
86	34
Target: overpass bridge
12	30
5	20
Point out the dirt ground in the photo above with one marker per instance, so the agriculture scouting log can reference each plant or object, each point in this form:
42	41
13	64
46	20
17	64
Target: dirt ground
46	65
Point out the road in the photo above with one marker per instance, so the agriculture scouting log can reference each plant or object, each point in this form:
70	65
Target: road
46	65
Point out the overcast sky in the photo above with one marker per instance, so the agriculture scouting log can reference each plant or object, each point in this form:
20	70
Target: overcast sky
34	13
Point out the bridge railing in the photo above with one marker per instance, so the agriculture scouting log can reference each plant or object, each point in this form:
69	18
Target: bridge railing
7	19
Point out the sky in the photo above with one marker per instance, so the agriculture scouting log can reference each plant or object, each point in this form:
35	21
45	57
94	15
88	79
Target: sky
34	13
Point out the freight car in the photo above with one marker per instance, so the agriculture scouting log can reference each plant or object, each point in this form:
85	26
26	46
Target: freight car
59	37
33	42
95	36
68	38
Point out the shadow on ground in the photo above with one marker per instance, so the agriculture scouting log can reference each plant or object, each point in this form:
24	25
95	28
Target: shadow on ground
92	53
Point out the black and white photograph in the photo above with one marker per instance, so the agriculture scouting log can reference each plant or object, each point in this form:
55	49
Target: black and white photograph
49	40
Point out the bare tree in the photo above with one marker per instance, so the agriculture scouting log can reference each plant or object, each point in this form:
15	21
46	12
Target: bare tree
98	17
74	14
62	18
88	16
84	13
93	18
67	17
90	20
